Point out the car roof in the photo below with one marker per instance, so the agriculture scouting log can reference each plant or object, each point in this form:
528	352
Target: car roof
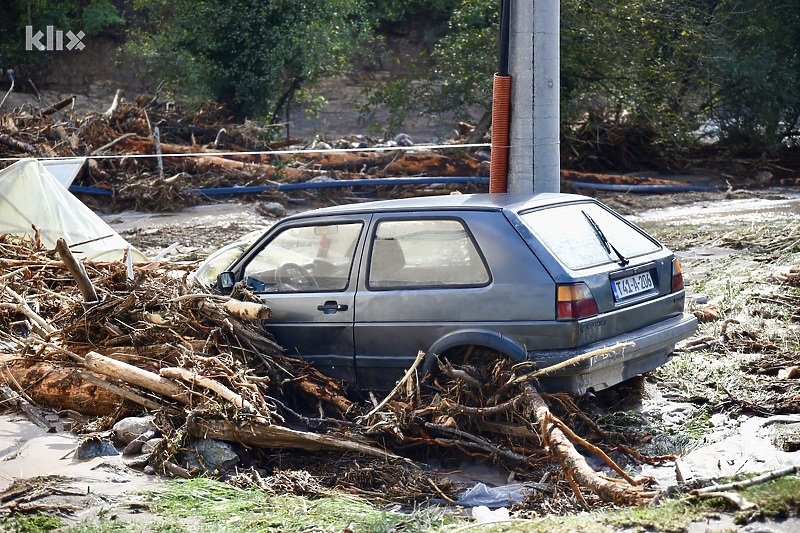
469	202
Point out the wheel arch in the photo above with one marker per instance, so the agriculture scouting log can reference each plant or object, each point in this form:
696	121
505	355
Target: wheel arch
482	338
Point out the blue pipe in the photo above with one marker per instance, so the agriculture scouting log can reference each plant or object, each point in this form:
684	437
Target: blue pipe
375	182
96	191
643	188
254	189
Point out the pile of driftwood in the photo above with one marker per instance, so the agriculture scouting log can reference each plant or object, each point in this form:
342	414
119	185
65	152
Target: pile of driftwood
151	153
113	340
206	145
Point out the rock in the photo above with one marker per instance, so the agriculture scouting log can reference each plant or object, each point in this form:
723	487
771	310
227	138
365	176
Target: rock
763	177
787	438
151	445
129	428
273	209
403	139
135	446
210	455
483	155
95	447
320	145
137	463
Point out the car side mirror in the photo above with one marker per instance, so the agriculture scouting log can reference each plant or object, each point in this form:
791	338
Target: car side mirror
225	281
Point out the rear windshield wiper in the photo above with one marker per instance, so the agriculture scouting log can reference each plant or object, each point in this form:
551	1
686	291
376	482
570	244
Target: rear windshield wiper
602	238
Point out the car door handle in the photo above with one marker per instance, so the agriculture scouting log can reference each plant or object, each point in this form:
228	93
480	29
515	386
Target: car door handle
331	306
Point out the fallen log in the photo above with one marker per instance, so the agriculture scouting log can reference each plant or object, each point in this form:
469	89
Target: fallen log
576	469
33	413
136	376
50	384
259	434
431	164
58	106
14	143
119	391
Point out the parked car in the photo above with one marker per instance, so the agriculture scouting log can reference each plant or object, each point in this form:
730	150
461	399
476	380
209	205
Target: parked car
360	289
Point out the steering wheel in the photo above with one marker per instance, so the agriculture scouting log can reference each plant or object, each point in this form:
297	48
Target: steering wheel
292	277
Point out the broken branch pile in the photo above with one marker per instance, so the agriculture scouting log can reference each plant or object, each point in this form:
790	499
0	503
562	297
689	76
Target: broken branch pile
145	342
207	142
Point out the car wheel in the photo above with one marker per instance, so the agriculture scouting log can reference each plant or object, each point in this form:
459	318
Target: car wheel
471	375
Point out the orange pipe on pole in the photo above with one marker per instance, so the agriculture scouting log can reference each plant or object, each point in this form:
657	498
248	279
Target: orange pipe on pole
501	120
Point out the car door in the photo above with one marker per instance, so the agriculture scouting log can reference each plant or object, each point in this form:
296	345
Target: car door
304	270
421	277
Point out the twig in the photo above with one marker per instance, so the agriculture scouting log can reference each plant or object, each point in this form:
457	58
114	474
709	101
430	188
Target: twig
77	270
442	494
400	384
25	309
476	442
10	89
210	384
112	143
738	485
454	408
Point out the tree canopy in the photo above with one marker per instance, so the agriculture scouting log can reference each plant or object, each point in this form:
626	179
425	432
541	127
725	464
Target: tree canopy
658	73
253	55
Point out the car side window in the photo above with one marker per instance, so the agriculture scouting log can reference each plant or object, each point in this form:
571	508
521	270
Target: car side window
425	253
314	258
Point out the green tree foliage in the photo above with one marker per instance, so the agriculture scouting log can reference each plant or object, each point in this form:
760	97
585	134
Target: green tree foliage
90	16
644	73
455	77
390	12
253	55
757	71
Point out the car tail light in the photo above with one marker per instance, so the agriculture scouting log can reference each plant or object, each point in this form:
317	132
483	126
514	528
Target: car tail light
677	275
574	301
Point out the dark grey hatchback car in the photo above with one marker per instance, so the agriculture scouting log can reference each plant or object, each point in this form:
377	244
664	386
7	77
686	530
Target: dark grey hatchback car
360	289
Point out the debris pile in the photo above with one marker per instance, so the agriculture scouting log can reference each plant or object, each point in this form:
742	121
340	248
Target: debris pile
130	144
158	155
112	341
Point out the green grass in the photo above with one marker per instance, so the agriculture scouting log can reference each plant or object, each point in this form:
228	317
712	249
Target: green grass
35	523
213	506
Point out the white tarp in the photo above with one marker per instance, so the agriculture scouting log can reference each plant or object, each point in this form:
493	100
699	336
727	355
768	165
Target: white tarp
64	170
31	196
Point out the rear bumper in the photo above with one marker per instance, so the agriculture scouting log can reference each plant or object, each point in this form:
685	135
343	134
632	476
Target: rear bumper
653	347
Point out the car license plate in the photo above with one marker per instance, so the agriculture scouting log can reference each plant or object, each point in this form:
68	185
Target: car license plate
632	285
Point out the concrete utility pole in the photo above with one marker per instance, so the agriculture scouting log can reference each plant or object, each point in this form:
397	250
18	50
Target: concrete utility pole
534	63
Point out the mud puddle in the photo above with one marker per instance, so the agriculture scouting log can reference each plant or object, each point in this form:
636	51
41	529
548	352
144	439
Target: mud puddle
778	205
193	232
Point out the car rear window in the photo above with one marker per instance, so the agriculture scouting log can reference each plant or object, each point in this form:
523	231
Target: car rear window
567	231
423	254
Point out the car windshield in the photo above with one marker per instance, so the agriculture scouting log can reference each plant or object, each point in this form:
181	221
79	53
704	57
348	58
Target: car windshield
584	235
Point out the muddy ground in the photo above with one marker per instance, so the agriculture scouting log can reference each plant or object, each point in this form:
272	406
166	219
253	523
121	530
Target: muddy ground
733	246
